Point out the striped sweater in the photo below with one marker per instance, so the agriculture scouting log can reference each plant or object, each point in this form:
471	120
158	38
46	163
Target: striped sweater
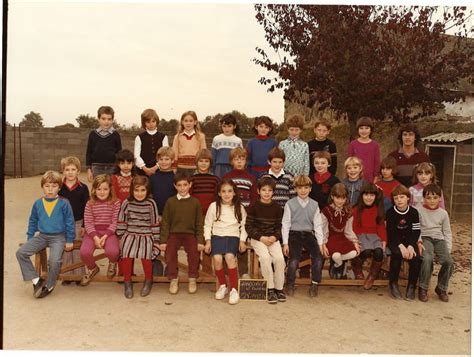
264	219
246	186
139	218
284	189
204	189
103	213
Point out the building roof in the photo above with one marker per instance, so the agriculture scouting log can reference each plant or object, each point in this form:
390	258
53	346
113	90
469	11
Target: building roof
451	137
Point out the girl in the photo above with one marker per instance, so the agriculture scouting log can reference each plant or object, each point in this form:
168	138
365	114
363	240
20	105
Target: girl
148	143
341	243
366	149
223	143
187	142
137	228
100	222
259	147
387	182
423	175
369	226
225	234
354	178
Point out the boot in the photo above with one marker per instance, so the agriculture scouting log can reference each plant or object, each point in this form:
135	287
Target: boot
374	270
410	294
128	289
332	269
147	284
394	290
356	264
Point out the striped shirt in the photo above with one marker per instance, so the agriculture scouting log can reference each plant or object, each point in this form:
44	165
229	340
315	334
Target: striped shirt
139	218
246	186
284	189
264	219
103	213
204	189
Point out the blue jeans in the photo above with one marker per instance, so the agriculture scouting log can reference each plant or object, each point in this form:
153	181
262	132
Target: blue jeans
438	247
55	242
296	242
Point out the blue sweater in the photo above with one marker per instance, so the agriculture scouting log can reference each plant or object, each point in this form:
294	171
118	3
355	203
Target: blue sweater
258	149
60	222
162	187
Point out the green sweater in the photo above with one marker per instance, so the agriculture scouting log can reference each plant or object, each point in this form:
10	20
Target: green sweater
182	216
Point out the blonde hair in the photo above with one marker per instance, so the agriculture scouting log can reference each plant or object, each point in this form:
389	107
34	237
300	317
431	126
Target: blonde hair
237	152
302	180
354	160
322	155
204	154
426	167
70	160
99	180
165	151
197	127
52	177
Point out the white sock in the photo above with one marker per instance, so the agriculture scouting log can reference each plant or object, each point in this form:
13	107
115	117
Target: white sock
337	257
35	280
352	254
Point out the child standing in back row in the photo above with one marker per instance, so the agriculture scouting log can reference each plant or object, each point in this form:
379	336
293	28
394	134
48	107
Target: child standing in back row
223	143
296	150
387	182
259	147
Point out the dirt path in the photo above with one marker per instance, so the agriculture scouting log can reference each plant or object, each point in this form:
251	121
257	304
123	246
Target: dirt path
339	320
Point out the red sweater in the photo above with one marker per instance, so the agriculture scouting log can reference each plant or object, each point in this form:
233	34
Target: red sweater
369	223
387	187
246	186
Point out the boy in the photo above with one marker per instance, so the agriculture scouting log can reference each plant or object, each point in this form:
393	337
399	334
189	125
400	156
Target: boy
321	142
104	142
387	183
77	194
53	218
403	232
302	228
296	150
263	226
121	182
284	189
162	181
182	225
436	239
322	179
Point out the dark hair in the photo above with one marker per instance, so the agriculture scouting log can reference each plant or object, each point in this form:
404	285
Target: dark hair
235	200
230	119
409	128
266	181
262	120
276	153
295	121
181	176
432	188
400	190
105	109
139	180
323	123
389	163
124	155
369	187
340	190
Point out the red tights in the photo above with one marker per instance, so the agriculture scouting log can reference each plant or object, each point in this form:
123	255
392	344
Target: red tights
127	266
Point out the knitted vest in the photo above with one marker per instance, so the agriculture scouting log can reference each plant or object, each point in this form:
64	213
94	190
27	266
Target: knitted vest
302	217
150	145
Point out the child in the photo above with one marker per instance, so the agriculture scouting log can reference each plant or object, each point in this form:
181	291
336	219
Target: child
162	181
182	225
121	182
436	239
369	226
148	143
387	182
138	228
322	179
53	218
246	185
353	180
259	147
296	150
284	189
224	232
321	142
340	241
302	228
187	142
423	175
366	149
223	143
100	221
403	232
263	226
77	194
104	142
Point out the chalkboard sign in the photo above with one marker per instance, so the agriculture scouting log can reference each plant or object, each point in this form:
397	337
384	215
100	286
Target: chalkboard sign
253	289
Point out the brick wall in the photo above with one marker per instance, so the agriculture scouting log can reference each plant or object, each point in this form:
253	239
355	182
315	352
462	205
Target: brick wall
462	192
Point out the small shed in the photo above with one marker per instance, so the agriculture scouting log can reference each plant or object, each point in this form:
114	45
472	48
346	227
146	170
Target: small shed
452	155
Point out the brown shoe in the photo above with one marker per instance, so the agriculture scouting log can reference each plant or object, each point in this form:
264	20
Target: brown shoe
356	265
443	296
374	270
423	294
87	277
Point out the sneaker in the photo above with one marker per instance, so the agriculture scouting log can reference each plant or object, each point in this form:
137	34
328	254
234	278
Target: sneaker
280	295
442	294
174	286
111	270
192	286
43	292
221	292
245	276
233	297
313	290
87	277
38	286
272	296
290	290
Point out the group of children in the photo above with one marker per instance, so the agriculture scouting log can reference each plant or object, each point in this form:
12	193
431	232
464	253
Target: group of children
283	198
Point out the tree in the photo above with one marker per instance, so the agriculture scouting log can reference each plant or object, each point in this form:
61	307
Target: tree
168	125
32	120
87	121
65	126
367	60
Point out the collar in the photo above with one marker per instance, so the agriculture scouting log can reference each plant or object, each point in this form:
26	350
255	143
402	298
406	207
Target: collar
125	175
271	172
431	209
401	212
262	137
320	178
400	151
182	197
306	200
73	187
293	140
105	131
50	199
152	132
189	135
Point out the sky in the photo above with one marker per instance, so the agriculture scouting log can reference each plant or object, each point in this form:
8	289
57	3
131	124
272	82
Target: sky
66	59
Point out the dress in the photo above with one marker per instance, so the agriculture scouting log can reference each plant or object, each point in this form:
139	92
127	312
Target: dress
339	224
137	228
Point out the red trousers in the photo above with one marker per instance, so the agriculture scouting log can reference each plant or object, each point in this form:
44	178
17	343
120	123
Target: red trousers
174	242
